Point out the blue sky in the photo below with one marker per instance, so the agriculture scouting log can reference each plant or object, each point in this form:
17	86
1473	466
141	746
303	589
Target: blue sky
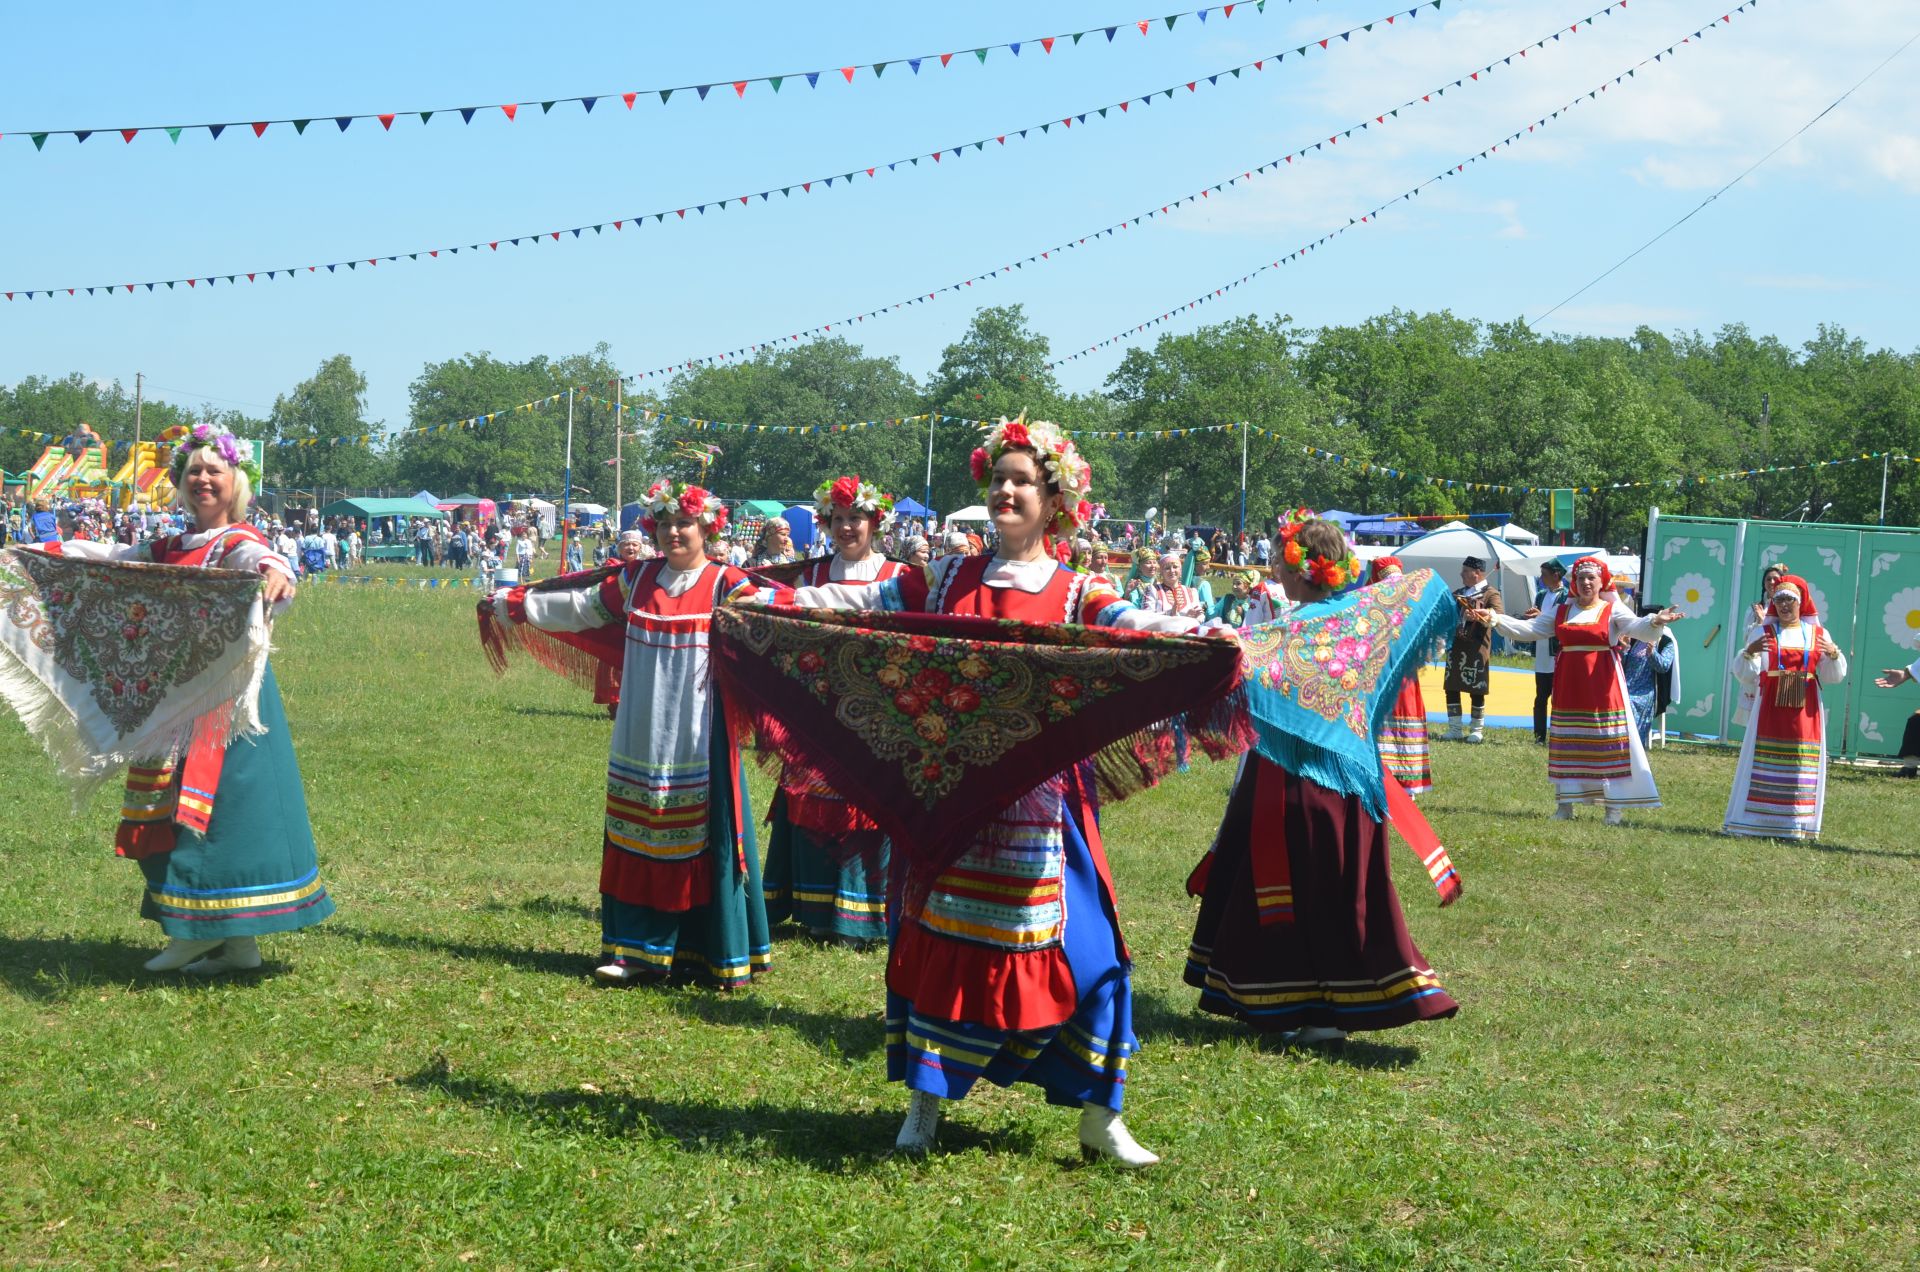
1823	233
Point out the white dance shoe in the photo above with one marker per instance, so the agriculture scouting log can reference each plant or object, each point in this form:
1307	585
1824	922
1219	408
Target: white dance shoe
617	974
1103	1134
1615	816
237	954
1316	1036
923	1122
1455	730
1476	735
179	953
1563	813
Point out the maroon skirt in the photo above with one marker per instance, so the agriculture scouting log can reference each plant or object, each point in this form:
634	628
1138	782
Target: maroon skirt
1345	959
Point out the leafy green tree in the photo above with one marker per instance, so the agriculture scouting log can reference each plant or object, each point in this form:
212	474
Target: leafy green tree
305	427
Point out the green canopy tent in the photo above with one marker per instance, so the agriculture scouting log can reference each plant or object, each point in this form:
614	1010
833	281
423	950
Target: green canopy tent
371	510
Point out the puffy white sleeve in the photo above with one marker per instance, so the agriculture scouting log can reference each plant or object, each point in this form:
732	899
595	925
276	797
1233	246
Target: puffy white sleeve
88	550
1623	624
1747	668
1538	627
245	554
575	610
842	596
1831	671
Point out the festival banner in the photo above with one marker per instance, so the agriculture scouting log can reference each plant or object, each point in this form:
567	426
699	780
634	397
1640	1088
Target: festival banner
731	87
872	171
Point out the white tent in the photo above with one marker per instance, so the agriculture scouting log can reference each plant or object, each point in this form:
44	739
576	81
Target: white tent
1513	532
1511	568
548	514
587	512
978	512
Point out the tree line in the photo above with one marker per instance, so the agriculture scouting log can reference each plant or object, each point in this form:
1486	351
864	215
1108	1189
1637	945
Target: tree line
1429	394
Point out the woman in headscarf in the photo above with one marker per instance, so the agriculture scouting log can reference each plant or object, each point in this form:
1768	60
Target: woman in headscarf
1168	595
1594	755
1780	788
775	545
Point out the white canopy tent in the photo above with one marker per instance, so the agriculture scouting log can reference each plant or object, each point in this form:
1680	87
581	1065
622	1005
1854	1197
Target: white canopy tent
1510	567
977	512
1513	532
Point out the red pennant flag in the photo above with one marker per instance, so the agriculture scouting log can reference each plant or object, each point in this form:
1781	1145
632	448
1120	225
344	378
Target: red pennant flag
258	129
739	88
1143	24
386	122
616	225
628	99
510	109
1323	43
1046	42
129	133
434	253
1123	108
1067	122
683	214
936	156
1475	77
869	173
1261	65
806	187
945	58
495	245
1190	84
249	277
848	72
555	233
191	281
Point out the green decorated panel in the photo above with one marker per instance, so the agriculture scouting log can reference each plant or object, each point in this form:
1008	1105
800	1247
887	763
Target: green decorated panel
1887	635
1692	566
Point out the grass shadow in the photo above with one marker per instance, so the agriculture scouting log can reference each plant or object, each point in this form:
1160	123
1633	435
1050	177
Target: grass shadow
565	713
552	907
836	1036
839	1141
570	963
1155	1019
1822	845
52	969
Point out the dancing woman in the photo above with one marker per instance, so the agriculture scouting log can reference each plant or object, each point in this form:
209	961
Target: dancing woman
680	873
1012	968
1594	755
827	861
217	880
1300	930
1780	788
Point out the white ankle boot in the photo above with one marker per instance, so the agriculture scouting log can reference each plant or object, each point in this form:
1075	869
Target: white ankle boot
1455	730
923	1121
1317	1035
179	953
1103	1134
1563	813
616	974
237	954
1615	816
1477	734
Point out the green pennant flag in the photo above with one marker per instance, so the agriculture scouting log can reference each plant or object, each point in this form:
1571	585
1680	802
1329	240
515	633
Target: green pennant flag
1260	7
1103	112
1170	20
1236	72
1046	128
299	126
425	115
40	141
545	107
878	69
981	54
174	133
775	81
664	94
1077	35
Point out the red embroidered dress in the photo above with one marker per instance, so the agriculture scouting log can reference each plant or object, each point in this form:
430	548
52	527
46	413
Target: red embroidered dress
1593	751
1404	747
1014	968
1780	787
679	873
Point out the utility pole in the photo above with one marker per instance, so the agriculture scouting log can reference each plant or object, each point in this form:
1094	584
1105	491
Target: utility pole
619	426
1886	458
1242	527
133	466
566	488
926	496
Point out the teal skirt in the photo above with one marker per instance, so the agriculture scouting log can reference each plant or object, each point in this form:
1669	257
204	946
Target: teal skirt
255	871
809	884
723	943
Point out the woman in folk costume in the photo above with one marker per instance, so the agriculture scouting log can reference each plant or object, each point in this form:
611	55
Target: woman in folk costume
1168	595
1012	968
1594	754
1300	930
222	835
1404	747
680	873
1780	788
827	861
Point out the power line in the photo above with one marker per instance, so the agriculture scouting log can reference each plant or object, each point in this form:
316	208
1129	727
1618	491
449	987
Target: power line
1729	185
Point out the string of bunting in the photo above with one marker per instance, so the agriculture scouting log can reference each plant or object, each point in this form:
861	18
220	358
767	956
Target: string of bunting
1407	196
587	101
805	187
1377	120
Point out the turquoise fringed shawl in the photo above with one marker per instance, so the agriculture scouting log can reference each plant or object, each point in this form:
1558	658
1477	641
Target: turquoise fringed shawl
1320	681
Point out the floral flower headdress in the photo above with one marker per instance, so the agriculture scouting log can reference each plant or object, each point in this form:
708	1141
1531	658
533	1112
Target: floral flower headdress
851	492
232	451
1322	571
668	498
1058	456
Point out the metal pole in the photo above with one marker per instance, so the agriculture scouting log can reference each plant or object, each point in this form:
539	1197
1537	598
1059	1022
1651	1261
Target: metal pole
619	426
133	460
566	490
1886	457
926	495
1242	527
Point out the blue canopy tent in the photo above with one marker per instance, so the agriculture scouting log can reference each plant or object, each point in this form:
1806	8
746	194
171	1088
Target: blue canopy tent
911	507
800	521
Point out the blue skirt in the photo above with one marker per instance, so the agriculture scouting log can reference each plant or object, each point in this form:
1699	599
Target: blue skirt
1083	1061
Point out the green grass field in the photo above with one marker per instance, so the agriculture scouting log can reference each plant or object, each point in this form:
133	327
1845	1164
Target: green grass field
1673	1048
